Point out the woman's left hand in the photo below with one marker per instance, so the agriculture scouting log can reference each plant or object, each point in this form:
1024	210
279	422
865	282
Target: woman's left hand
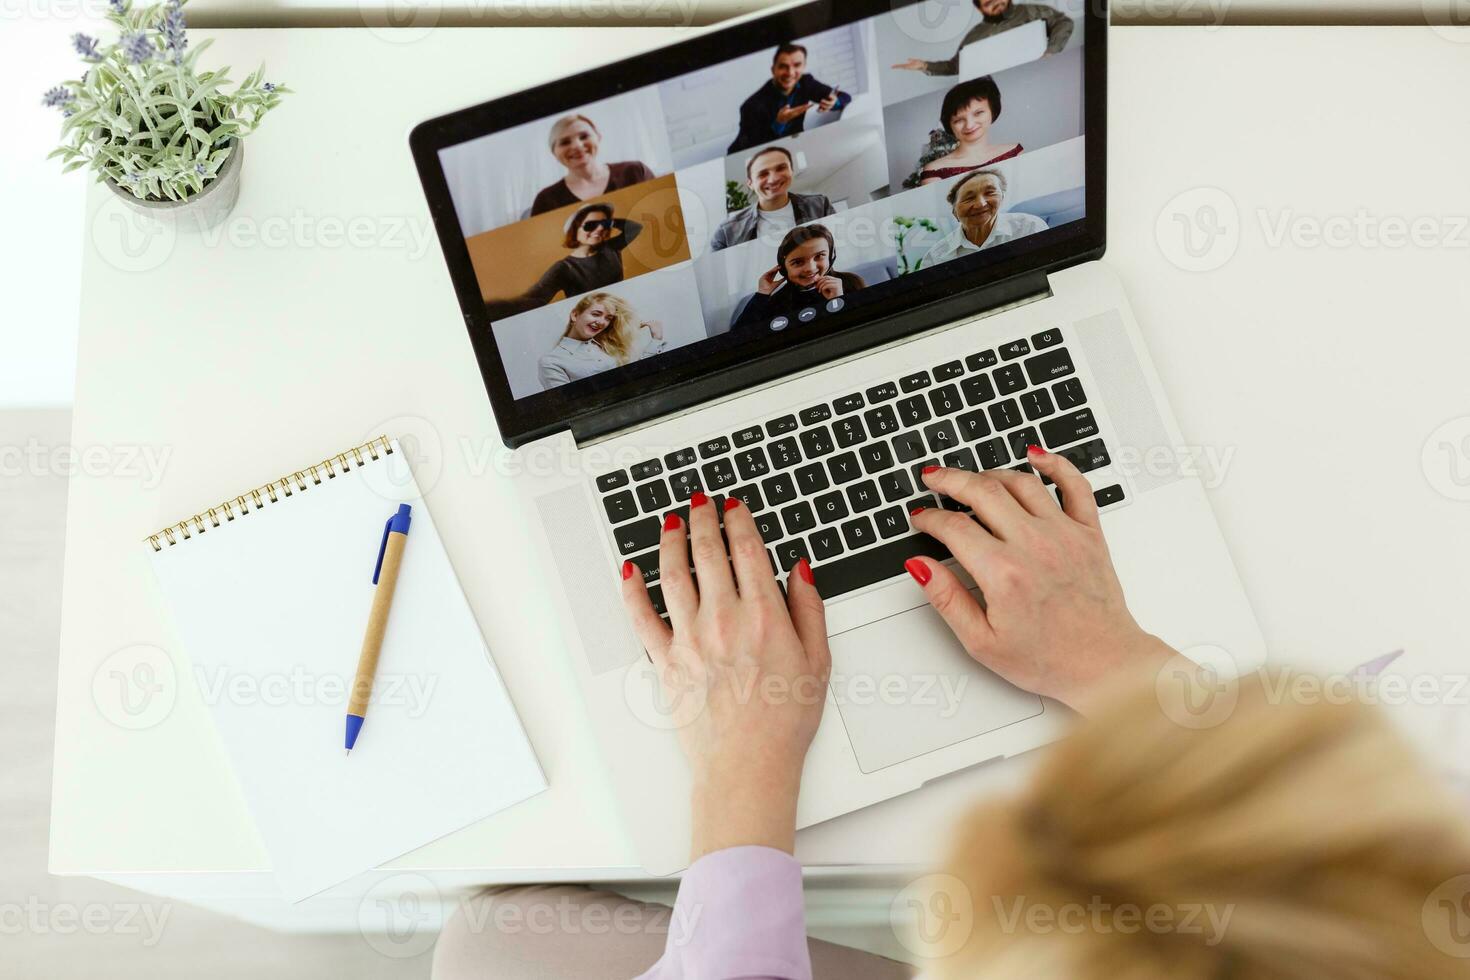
759	662
830	287
656	328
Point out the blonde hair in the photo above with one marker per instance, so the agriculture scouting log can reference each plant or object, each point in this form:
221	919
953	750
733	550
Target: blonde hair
617	339
563	123
1307	839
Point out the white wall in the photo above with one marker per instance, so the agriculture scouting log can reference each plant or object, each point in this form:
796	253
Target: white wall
41	250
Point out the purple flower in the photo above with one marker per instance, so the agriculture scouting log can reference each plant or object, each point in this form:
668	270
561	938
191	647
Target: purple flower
201	170
269	86
116	5
173	30
56	98
137	48
85	46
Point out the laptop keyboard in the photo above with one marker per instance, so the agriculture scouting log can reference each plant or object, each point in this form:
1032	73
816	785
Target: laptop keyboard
834	483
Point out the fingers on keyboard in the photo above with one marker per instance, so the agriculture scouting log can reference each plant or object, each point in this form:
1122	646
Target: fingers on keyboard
834	483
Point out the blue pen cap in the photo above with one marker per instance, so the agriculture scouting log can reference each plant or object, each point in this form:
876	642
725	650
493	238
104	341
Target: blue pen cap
398	522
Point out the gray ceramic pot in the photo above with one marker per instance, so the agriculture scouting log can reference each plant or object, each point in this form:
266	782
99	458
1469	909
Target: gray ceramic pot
204	210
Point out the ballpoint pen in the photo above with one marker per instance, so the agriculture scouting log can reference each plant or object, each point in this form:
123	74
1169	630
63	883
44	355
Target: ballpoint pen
385	577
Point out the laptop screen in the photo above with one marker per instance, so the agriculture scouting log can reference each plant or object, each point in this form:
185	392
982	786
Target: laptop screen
728	207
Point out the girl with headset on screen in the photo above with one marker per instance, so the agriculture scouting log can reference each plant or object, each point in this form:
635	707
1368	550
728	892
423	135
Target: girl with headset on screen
803	278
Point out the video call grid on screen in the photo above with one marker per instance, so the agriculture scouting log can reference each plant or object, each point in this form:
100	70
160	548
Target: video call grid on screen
763	193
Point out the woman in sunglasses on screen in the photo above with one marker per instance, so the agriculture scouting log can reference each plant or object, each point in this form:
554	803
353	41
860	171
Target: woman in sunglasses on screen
575	141
603	332
596	241
803	279
967	113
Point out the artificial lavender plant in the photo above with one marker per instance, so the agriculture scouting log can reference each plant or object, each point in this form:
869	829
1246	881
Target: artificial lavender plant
141	115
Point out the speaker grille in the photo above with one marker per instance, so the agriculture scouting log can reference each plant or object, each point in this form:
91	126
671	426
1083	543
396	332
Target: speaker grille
1142	446
572	530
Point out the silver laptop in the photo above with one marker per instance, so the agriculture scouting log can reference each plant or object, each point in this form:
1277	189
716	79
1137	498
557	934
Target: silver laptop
795	260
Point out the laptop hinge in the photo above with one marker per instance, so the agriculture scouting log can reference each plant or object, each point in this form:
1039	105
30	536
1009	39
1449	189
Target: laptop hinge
591	439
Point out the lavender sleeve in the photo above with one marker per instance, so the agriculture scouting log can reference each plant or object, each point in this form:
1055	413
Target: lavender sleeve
739	916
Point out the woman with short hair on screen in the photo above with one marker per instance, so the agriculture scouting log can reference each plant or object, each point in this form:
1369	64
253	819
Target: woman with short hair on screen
595	239
1188	828
575	141
967	113
804	276
603	332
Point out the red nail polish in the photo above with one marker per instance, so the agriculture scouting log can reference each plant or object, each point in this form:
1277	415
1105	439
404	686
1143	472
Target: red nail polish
732	502
1035	449
699	499
804	569
929	469
671	523
627	570
918	570
917	511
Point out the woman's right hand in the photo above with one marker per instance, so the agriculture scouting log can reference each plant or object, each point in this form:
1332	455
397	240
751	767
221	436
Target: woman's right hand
757	662
766	285
1053	620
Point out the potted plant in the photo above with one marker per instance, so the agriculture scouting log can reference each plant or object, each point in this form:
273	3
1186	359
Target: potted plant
903	224
165	137
735	196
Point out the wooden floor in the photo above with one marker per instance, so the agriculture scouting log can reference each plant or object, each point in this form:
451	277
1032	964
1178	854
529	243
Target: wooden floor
47	911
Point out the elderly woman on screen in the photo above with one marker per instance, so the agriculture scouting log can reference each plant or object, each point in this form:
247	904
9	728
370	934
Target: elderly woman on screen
574	141
975	201
603	332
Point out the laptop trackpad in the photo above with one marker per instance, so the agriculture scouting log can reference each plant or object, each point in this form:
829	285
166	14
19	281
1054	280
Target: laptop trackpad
904	686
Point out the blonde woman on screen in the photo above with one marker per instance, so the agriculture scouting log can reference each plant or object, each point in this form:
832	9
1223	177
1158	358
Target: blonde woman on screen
603	332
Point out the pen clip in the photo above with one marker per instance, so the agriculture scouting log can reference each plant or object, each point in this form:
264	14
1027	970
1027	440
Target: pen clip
382	549
398	522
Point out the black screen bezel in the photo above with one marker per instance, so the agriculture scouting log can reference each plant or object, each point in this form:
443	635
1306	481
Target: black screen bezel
699	372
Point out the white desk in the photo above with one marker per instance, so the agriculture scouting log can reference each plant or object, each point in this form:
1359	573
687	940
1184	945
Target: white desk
1322	371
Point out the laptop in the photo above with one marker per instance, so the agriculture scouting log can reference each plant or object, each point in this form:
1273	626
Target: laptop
806	323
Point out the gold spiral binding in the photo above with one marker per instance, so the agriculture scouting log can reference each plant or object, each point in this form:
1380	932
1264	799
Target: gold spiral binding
252	500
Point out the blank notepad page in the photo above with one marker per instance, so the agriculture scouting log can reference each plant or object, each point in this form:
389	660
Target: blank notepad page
270	609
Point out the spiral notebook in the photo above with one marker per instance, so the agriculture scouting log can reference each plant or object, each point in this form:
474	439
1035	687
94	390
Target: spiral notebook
269	594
